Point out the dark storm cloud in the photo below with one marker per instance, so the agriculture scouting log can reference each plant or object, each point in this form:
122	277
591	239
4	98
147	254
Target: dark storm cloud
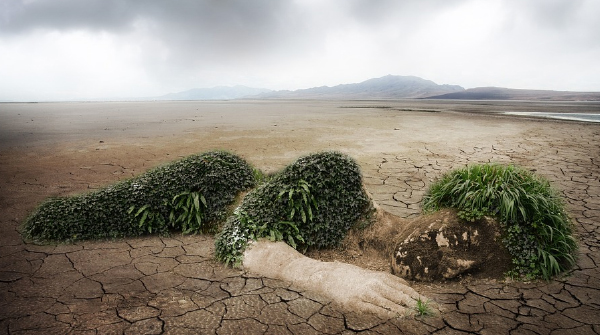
224	20
115	15
222	26
22	17
191	29
224	29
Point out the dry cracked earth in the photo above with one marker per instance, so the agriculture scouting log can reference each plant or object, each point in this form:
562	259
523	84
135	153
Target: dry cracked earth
172	285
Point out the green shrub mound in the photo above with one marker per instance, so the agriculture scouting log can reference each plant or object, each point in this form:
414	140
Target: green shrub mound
311	203
183	195
537	230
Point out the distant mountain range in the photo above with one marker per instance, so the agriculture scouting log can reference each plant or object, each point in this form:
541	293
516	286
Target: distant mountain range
387	87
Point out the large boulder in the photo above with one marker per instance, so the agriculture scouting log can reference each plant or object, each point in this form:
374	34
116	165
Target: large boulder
441	246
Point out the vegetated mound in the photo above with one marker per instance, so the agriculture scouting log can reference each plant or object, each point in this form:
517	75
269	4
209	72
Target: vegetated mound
535	227
191	194
312	203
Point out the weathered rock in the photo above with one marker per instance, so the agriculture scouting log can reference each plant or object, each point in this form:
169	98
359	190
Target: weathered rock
442	246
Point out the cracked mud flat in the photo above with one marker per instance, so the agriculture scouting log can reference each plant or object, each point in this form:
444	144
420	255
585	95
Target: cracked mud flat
172	285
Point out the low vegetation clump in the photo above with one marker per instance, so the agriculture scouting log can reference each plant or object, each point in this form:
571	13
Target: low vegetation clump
423	308
311	203
190	195
536	229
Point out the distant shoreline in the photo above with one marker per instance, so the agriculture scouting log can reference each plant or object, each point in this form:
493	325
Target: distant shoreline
583	117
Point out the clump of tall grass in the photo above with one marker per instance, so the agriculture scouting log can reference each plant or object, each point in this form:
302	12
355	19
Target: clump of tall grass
536	229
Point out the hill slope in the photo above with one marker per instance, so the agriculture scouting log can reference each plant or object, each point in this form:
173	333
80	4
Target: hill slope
499	93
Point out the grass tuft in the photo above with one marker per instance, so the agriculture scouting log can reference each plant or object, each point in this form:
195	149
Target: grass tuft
423	308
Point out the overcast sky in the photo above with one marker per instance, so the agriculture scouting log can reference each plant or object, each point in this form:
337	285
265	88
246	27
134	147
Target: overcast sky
78	49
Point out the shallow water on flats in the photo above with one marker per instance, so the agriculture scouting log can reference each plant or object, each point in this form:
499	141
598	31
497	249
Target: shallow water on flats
584	117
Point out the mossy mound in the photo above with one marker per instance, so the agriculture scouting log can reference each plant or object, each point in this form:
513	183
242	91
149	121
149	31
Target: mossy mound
217	176
311	203
536	228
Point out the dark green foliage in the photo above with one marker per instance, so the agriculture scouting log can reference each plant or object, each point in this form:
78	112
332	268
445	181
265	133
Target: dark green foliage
299	201
537	231
111	212
150	219
311	203
188	213
233	238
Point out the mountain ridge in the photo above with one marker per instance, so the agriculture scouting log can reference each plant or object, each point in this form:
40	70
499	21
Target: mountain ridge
385	88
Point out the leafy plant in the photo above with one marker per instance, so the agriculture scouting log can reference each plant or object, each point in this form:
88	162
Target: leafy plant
188	210
299	200
472	214
233	238
286	231
149	219
286	206
537	230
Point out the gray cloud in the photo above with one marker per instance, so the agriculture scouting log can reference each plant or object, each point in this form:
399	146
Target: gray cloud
554	14
109	15
222	19
571	23
257	16
226	29
180	43
259	24
379	11
212	29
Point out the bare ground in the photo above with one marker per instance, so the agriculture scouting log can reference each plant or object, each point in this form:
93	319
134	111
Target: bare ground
172	285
